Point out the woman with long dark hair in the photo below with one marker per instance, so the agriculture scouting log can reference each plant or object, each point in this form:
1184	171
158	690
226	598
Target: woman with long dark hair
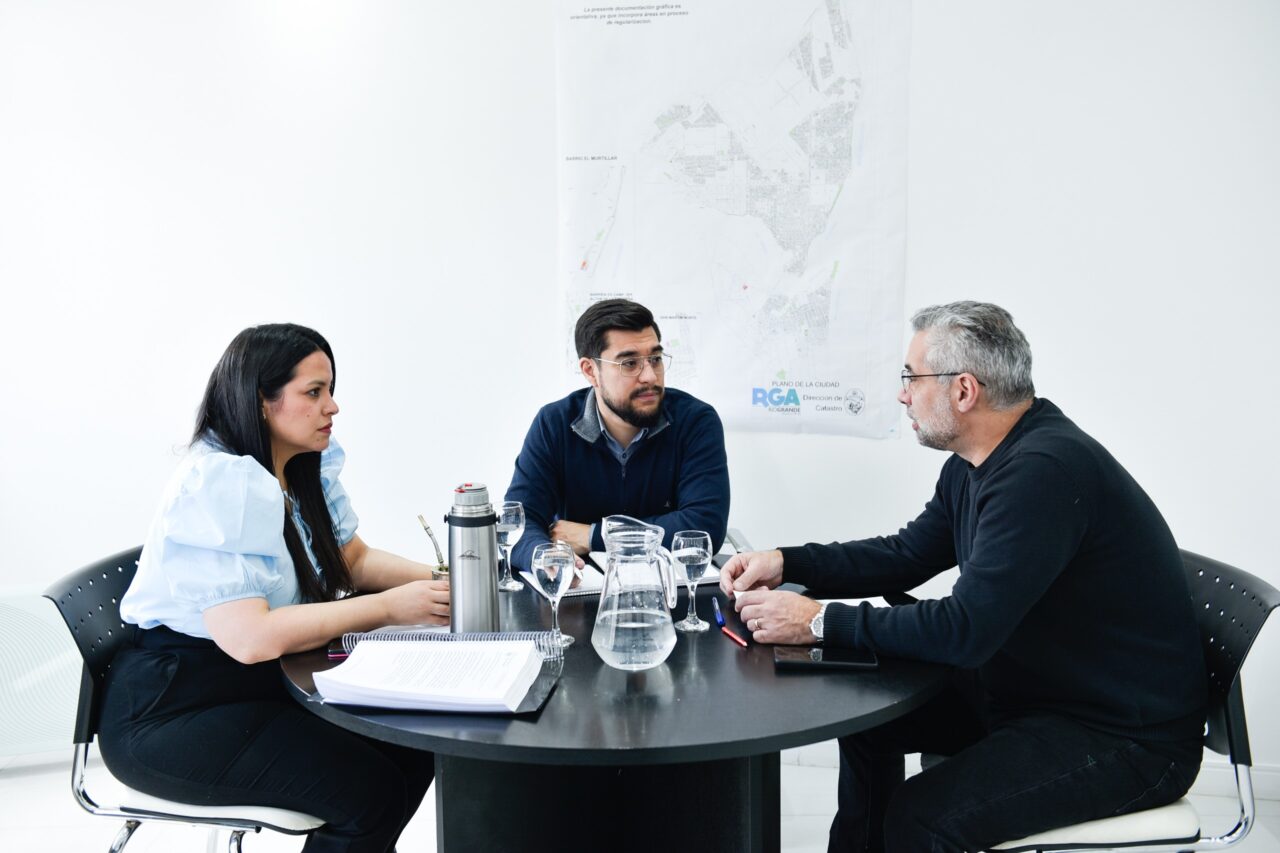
252	555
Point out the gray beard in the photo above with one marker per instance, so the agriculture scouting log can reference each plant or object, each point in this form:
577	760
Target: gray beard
944	429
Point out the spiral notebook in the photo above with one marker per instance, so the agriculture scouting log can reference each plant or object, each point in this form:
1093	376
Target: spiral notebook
543	640
510	672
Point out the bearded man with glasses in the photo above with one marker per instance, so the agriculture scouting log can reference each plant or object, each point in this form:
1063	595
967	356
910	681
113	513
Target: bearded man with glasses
1080	682
626	444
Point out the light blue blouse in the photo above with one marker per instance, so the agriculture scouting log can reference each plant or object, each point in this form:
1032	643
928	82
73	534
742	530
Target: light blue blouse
218	536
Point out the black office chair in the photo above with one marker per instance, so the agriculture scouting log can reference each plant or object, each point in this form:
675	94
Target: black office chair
89	601
1231	606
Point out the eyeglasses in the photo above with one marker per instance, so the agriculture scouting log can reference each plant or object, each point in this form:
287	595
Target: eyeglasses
908	378
634	366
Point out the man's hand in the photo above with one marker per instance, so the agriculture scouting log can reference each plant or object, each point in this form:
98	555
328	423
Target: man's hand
577	535
777	617
751	570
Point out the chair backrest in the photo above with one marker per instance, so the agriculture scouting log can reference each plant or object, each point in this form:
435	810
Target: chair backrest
1231	605
89	601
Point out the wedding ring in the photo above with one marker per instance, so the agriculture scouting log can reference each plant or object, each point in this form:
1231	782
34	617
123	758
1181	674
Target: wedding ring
757	627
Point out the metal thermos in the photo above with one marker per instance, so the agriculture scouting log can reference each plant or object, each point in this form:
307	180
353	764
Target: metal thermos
473	561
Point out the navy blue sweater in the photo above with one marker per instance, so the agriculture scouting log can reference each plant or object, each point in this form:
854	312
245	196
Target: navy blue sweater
1071	597
678	476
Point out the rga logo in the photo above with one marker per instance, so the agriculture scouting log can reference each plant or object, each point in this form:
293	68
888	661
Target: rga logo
774	397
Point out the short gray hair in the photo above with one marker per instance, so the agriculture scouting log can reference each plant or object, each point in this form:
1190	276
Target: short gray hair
978	338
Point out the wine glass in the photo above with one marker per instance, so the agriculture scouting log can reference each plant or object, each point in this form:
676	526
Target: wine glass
552	572
510	528
692	548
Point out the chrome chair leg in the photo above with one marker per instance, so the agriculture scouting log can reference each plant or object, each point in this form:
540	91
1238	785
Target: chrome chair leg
233	844
123	836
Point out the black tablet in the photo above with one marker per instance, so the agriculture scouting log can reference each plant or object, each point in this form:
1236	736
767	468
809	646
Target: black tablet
817	657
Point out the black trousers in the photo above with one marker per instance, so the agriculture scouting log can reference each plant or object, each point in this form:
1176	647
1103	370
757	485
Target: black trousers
1004	779
183	720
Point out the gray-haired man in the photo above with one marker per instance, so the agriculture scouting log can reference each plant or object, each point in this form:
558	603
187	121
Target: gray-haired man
1081	686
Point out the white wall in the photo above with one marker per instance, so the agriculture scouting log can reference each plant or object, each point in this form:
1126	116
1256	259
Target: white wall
385	172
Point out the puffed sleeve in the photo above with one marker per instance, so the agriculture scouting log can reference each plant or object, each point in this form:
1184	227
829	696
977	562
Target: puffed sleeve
345	520
223	532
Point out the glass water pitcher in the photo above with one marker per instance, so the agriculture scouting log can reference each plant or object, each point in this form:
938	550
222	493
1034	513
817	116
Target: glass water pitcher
633	625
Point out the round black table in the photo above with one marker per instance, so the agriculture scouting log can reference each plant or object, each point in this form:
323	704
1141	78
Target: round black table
691	745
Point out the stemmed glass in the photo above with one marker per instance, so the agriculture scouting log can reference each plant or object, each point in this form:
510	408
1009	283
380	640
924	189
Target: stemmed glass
552	571
510	528
692	548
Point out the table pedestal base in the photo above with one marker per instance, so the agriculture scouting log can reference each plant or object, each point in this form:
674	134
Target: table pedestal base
728	804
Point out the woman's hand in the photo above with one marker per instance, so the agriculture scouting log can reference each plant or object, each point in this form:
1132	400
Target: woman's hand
417	602
251	632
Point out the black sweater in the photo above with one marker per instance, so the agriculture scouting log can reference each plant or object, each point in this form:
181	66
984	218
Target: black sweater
1071	597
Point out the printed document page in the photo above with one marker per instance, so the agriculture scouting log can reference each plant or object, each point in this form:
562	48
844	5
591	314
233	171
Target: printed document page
476	676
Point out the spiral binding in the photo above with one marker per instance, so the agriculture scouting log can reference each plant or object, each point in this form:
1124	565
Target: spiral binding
543	641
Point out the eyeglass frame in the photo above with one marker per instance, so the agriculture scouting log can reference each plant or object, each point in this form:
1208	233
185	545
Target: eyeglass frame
908	378
663	362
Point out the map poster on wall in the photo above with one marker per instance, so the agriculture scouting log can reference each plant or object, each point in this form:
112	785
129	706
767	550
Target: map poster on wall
739	166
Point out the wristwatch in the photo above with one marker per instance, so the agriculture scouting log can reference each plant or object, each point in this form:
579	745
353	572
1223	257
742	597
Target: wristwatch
816	623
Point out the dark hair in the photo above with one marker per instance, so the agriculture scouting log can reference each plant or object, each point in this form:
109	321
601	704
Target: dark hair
597	321
257	365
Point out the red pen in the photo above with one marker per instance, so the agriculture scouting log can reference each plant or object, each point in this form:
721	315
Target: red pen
733	636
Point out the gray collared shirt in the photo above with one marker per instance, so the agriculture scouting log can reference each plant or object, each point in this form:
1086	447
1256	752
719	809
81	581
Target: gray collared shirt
590	427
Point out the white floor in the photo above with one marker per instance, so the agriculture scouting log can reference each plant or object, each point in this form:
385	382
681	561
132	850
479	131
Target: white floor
38	813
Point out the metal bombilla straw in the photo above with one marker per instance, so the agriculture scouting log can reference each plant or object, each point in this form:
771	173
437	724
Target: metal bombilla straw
439	556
